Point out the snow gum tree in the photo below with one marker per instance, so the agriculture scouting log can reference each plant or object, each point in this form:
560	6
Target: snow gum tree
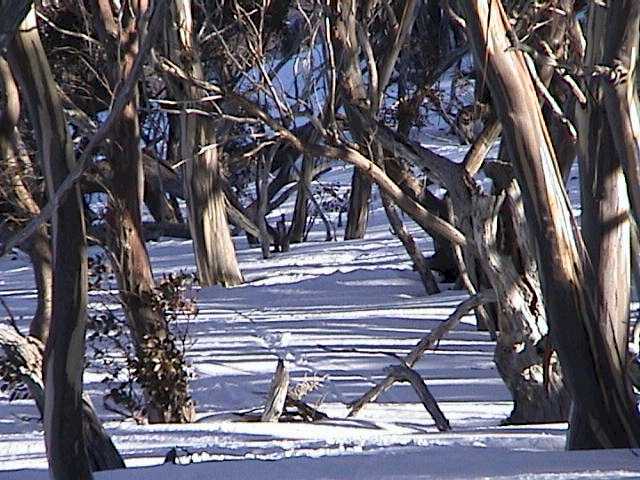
582	319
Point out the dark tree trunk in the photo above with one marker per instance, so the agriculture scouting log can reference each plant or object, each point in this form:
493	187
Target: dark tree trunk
358	213
605	209
63	420
154	195
16	164
263	167
126	242
300	211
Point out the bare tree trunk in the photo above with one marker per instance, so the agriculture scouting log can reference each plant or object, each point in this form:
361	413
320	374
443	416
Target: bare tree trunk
15	162
344	32
501	237
605	207
263	167
419	262
593	370
618	76
552	38
63	420
154	195
135	278
25	354
300	211
213	247
358	213
38	247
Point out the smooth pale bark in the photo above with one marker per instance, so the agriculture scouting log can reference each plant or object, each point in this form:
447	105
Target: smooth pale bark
591	370
212	244
63	420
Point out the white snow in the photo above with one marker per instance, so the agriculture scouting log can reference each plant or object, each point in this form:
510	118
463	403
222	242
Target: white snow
359	295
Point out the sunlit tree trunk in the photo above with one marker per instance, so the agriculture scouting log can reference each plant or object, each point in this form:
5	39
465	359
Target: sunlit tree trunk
605	203
212	244
64	356
506	256
593	370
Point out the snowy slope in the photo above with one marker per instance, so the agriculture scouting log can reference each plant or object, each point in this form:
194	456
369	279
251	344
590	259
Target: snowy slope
313	306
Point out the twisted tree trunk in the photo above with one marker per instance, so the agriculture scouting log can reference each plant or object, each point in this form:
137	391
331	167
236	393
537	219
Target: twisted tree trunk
507	259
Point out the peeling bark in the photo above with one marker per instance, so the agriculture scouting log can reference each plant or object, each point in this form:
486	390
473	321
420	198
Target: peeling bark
590	364
213	247
63	420
133	268
507	258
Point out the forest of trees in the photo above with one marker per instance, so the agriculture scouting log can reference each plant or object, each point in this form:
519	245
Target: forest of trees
157	102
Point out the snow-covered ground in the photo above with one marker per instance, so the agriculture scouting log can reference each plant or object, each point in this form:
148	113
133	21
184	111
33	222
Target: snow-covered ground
331	309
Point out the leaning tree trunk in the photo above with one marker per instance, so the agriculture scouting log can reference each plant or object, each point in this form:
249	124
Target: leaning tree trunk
63	420
165	402
605	203
212	243
552	38
593	370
